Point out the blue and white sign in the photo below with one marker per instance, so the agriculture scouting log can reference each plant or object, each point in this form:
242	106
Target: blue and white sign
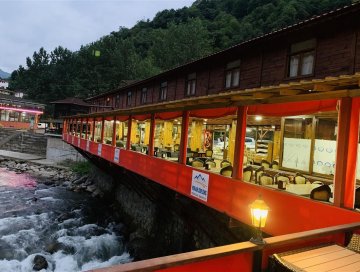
99	149
72	139
67	137
78	141
117	155
200	185
87	145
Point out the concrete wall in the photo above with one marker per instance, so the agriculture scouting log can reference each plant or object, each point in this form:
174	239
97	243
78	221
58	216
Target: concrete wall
57	150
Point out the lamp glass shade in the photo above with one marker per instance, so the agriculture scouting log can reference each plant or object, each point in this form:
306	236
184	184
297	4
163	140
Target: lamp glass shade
259	212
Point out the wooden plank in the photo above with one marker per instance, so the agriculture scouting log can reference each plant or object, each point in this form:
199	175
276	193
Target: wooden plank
314	252
337	263
262	95
323	88
354	267
323	259
289	92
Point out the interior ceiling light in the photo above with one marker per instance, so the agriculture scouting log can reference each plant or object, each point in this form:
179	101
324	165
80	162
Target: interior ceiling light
205	120
258	118
248	129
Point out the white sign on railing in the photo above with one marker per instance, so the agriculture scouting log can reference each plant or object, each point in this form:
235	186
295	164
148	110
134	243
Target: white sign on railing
78	142
99	149
67	137
87	145
117	155
200	185
72	139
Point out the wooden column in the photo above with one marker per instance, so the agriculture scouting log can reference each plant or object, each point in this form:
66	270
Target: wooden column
346	153
113	142
152	135
239	142
184	137
128	141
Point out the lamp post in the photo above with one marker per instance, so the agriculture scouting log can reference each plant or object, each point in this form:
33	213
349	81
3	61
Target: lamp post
259	212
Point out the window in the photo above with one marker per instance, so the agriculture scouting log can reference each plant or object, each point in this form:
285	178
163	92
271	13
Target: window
129	97
301	59
117	101
163	91
232	74
191	84
143	96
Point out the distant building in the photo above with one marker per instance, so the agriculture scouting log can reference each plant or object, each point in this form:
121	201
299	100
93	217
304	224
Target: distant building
16	112
3	84
69	106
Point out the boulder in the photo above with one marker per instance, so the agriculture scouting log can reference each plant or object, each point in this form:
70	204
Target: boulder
40	262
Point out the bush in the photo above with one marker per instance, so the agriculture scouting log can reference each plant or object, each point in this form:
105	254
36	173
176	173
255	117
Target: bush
81	168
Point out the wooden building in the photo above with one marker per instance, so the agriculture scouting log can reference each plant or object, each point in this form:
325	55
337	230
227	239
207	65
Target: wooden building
277	115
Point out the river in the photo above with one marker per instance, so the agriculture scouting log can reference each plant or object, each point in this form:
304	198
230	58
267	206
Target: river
71	230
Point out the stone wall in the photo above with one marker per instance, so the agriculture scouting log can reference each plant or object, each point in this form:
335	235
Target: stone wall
161	222
57	150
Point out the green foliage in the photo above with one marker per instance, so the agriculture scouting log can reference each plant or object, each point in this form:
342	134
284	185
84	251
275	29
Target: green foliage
172	38
81	168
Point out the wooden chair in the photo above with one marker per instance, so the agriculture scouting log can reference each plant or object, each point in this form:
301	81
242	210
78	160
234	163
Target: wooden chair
258	172
208	153
226	171
248	173
197	163
299	179
211	163
265	163
266	179
283	178
354	243
224	163
318	182
322	193
275	165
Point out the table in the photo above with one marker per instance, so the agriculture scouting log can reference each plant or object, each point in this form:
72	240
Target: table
332	258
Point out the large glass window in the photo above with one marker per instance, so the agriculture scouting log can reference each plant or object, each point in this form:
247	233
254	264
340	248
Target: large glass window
90	127
121	133
97	133
140	135
167	138
212	142
108	131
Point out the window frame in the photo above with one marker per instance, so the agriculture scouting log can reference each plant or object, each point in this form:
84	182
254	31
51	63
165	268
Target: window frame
301	53
190	82
163	91
143	97
230	69
129	98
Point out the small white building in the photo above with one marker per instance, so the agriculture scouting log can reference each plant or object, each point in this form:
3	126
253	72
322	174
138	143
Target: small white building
3	84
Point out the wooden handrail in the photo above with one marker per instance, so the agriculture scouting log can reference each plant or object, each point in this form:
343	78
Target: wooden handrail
183	258
222	251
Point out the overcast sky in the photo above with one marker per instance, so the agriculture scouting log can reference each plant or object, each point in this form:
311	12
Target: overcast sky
27	25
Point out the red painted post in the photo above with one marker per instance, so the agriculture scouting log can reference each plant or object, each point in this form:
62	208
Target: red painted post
184	137
346	153
128	142
93	130
113	143
239	142
152	135
102	130
87	129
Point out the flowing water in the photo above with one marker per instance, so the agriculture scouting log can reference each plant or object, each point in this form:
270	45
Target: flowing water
73	231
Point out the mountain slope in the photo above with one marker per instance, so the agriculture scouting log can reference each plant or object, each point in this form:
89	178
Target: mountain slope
4	75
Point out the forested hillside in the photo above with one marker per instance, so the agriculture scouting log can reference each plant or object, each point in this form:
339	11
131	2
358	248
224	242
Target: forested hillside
172	38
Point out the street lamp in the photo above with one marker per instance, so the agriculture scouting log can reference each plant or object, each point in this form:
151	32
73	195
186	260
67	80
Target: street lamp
259	212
